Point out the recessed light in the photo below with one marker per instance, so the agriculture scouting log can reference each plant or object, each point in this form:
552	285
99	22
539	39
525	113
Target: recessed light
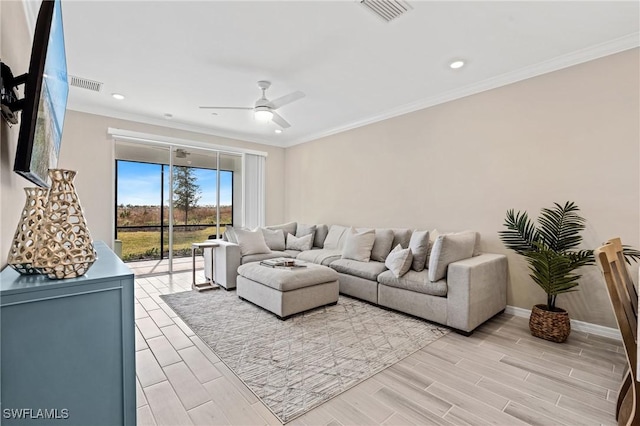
278	131
214	113
456	64
117	96
168	116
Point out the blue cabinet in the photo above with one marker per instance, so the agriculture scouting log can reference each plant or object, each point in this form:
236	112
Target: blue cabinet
67	347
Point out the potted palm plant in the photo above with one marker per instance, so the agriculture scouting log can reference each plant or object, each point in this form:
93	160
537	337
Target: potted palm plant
551	249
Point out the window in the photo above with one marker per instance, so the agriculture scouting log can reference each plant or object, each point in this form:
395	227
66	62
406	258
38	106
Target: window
143	197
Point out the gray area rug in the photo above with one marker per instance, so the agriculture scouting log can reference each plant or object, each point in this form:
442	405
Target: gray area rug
297	364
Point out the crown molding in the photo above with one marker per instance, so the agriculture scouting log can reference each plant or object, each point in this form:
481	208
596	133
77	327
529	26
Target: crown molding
590	53
138	118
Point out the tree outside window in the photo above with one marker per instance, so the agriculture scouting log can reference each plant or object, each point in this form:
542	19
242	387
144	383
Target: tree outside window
186	191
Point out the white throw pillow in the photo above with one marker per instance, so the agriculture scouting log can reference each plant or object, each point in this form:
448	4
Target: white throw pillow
251	242
321	234
299	243
304	229
274	238
358	245
433	236
230	234
449	248
419	245
287	228
399	261
334	237
383	245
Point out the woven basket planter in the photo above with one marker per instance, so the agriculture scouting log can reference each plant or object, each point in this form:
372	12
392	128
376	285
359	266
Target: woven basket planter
548	325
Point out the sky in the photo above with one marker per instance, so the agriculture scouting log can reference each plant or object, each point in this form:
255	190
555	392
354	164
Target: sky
139	185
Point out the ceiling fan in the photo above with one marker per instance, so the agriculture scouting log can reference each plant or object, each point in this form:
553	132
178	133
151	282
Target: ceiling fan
264	109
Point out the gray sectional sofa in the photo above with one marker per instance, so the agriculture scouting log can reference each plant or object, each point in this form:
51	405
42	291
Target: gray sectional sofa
456	285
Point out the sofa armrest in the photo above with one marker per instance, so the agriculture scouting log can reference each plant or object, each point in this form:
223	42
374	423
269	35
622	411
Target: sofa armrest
476	290
227	261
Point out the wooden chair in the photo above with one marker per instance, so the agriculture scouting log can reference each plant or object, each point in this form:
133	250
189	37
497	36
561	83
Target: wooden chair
624	299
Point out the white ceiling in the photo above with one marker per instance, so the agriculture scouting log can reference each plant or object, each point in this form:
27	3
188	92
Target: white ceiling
171	57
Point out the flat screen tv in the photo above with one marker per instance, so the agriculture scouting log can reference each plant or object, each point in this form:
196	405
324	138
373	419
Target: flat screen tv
45	98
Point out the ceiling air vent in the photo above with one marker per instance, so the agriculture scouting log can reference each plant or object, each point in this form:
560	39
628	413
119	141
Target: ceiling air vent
84	83
387	9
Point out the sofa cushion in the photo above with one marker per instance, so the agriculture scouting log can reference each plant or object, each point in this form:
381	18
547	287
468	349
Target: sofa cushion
366	270
335	237
321	235
358	245
293	253
399	260
230	234
414	281
274	238
286	279
449	248
263	256
288	228
299	243
251	242
401	236
476	246
419	245
383	244
305	229
433	235
320	256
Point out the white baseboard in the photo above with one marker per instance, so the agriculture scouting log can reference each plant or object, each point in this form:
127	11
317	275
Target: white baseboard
587	327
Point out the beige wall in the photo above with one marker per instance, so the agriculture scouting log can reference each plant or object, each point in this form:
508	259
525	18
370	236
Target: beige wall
568	135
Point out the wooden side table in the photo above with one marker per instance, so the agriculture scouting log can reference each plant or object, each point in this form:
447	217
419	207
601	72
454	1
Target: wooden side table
208	285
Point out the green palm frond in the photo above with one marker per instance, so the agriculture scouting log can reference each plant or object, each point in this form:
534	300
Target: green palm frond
580	258
630	254
561	226
521	233
552	271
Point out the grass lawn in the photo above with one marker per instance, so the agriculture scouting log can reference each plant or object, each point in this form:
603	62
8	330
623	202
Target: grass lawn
138	245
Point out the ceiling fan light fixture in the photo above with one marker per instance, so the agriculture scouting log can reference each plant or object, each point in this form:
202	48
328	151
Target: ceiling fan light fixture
263	114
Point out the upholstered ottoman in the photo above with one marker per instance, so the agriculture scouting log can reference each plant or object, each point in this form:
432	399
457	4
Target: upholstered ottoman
287	291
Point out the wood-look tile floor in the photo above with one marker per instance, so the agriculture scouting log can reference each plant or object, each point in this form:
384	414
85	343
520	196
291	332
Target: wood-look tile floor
500	375
159	267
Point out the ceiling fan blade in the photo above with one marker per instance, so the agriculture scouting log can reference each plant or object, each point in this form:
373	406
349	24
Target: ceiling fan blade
213	107
286	99
277	118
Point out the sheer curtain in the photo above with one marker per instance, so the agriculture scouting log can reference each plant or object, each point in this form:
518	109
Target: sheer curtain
254	191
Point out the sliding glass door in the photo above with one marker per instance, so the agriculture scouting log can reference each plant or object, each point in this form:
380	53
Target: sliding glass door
170	197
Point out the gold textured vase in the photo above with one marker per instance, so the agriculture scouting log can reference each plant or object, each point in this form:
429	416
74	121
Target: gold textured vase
65	249
23	246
